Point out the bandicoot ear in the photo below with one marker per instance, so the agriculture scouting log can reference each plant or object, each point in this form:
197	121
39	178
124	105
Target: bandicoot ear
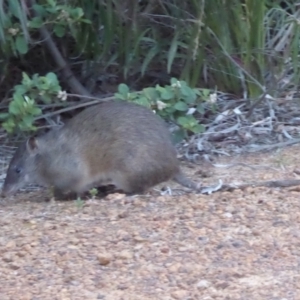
32	145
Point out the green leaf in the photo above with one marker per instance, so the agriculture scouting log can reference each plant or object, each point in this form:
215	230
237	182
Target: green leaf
35	22
35	111
200	108
149	57
46	98
59	30
52	3
26	80
36	78
185	90
183	121
52	78
172	51
150	93
18	99
205	93
132	97
159	88
43	84
14	108
21	44
118	96
14	8
20	89
188	94
187	121
51	10
198	128
39	9
87	21
174	81
28	120
181	106
76	13
9	125
178	135
143	101
167	94
54	89
4	116
123	90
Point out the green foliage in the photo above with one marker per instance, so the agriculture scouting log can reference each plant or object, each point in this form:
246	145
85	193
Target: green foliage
230	45
79	203
93	192
41	87
221	43
15	28
61	17
23	108
176	102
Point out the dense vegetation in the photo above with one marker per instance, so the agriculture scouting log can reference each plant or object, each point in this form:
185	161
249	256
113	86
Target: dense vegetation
247	48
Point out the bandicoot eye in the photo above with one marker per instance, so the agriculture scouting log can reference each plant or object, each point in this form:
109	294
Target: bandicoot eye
18	170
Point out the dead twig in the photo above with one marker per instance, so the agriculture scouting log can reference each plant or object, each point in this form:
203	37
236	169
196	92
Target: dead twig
273	146
272	184
84	104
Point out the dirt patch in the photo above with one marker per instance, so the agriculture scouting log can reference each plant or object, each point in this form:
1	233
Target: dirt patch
229	245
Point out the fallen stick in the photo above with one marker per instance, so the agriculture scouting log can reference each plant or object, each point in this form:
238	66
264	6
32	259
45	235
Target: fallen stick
233	186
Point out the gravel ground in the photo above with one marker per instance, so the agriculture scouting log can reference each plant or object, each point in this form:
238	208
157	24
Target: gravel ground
230	245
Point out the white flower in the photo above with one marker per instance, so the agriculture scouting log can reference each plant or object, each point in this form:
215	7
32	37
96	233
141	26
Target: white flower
62	95
161	105
213	98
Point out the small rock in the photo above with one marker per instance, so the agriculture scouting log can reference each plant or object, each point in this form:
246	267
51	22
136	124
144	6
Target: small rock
183	249
123	215
26	296
98	230
222	285
14	266
228	215
203	284
122	287
75	241
21	253
164	250
139	239
72	247
34	244
89	295
174	267
125	254
104	259
180	294
10	244
48	225
27	248
7	257
115	196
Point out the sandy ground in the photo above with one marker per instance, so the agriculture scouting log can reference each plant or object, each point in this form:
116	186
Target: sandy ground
229	245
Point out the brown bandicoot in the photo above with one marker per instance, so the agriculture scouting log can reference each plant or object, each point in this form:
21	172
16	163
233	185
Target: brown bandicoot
112	143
